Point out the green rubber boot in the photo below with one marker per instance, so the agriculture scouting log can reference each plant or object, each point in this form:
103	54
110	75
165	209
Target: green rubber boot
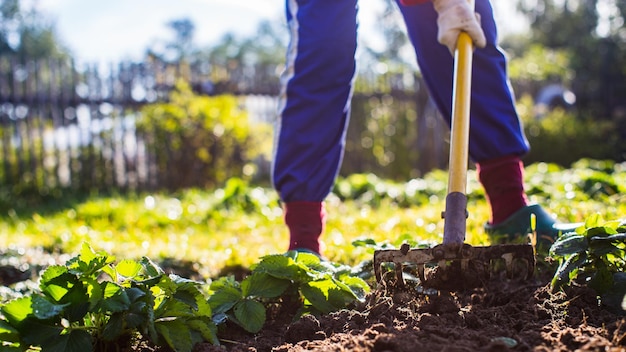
516	228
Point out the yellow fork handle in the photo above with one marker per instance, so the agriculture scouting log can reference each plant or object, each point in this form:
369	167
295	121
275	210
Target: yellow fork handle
455	215
459	137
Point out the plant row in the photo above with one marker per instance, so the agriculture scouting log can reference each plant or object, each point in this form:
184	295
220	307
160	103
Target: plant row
94	304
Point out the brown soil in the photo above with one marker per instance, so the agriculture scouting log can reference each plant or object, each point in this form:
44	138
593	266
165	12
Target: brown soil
500	316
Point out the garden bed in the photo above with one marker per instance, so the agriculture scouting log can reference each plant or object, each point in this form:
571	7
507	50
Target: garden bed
502	315
516	316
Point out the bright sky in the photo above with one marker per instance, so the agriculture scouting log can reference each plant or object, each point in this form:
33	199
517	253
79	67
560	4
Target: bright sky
112	30
117	29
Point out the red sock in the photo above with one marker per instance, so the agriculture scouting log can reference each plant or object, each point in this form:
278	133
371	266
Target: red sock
503	180
306	222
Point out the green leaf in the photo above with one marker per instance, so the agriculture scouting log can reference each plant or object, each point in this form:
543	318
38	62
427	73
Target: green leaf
76	311
138	314
562	275
615	224
109	270
166	284
365	242
357	287
128	268
283	267
615	297
155	281
135	293
250	314
75	341
183	282
621	227
174	308
115	298
602	248
10	348
568	245
8	333
312	261
16	311
176	334
89	262
187	292
187	298
619	237
87	253
36	333
599	231
64	287
223	300
207	329
317	294
203	308
319	267
113	328
44	309
225	281
594	220
339	298
50	276
263	285
150	267
95	290
602	279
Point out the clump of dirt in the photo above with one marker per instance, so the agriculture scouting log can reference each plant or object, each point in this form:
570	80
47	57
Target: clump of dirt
500	316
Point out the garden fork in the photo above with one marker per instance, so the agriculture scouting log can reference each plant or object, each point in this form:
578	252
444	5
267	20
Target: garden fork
453	252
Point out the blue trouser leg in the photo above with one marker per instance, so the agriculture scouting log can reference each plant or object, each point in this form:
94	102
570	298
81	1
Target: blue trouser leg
317	87
315	102
495	129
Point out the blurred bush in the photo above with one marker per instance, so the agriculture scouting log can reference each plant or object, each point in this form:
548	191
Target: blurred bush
562	137
200	141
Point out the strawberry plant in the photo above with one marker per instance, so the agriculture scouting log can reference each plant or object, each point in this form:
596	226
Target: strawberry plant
321	287
594	255
93	304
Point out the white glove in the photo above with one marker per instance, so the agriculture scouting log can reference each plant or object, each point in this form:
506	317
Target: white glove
455	16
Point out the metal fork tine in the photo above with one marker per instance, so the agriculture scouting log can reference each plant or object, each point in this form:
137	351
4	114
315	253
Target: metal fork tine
483	260
464	264
508	262
399	275
420	271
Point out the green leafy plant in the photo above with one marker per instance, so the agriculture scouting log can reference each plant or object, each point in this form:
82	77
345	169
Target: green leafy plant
318	285
93	304
594	255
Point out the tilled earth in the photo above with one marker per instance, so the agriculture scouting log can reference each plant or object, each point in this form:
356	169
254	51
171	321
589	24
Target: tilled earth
500	316
503	315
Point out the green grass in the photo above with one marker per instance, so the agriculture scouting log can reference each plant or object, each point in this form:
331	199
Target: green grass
240	223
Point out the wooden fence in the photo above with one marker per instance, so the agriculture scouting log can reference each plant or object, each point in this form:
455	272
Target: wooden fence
63	126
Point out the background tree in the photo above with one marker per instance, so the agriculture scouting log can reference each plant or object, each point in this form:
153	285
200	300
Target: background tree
179	46
395	52
27	33
596	41
235	59
184	30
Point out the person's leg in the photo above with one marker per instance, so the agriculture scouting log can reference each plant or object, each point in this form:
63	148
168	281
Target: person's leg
313	112
495	128
497	140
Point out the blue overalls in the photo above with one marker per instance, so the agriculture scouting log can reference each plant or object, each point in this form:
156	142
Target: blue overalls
317	89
